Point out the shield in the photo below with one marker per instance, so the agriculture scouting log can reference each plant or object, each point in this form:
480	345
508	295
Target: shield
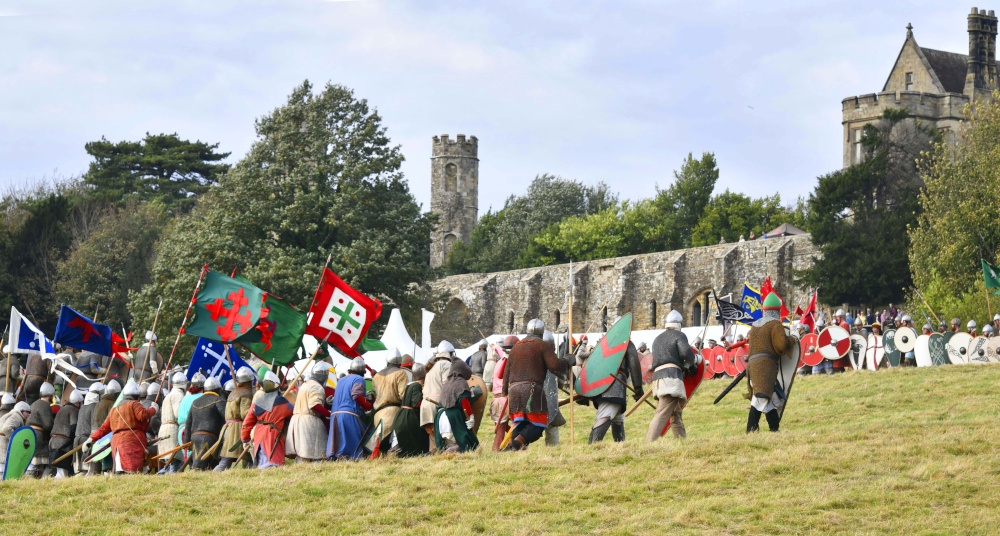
691	384
922	351
20	450
859	345
787	365
905	339
810	350
948	335
891	352
875	353
938	349
834	342
740	358
706	358
599	370
958	348
99	450
727	360
646	364
551	389
977	351
993	349
718	366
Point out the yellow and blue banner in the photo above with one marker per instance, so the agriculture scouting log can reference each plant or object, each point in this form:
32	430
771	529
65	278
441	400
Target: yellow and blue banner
750	301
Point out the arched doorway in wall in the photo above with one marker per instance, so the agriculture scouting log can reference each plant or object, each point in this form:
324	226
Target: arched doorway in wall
696	313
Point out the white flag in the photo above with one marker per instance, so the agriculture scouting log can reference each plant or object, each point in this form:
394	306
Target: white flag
425	330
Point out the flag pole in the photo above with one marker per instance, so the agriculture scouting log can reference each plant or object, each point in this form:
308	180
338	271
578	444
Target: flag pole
319	343
152	342
931	309
6	379
180	331
572	379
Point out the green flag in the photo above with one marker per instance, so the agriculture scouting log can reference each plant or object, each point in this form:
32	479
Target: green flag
278	335
990	275
225	308
371	345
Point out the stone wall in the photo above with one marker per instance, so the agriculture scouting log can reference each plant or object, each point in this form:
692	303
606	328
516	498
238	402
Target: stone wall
648	286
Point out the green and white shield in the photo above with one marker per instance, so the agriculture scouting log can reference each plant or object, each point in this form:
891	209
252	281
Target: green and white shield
599	371
20	450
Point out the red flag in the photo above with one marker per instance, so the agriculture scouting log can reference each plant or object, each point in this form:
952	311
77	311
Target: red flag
120	345
808	317
767	288
341	315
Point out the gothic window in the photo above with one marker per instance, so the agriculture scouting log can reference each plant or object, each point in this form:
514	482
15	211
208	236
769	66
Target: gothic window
857	144
449	241
909	81
652	314
451	178
696	313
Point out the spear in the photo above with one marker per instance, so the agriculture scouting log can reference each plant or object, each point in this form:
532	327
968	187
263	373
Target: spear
180	331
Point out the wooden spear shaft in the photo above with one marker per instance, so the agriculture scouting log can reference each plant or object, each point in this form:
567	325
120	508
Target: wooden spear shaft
152	340
180	331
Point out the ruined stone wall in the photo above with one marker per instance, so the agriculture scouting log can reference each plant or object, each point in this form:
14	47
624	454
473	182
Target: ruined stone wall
648	286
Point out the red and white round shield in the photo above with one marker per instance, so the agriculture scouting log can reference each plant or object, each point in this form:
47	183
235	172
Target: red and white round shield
810	353
834	342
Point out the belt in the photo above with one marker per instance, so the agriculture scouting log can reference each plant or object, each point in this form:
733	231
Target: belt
59	435
205	433
169	422
668	365
409	408
346	413
774	357
233	420
526	381
35	375
383	406
269	424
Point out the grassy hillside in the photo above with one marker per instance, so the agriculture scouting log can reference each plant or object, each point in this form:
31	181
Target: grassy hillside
900	451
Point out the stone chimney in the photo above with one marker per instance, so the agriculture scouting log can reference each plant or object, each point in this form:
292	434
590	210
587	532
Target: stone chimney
982	73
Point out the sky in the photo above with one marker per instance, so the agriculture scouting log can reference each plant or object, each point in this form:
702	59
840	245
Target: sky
619	91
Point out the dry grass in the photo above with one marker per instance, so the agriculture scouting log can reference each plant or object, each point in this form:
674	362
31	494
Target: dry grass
899	451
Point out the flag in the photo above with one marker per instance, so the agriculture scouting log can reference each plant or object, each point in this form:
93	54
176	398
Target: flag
750	302
77	331
278	335
728	313
119	344
209	357
765	289
372	345
341	315
808	317
25	338
990	276
426	317
226	308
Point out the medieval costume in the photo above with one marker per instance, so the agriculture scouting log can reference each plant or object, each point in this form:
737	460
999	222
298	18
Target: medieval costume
498	407
90	364
8	384
35	373
6	404
194	392
84	419
346	427
10	422
478	391
437	371
237	407
522	384
204	423
127	422
153	430
267	420
101	412
477	361
41	419
768	342
673	359
169	430
307	430
611	404
148	362
64	434
410	439
454	420
390	386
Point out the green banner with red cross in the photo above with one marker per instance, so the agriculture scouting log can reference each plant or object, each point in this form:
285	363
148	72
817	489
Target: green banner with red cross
600	368
226	308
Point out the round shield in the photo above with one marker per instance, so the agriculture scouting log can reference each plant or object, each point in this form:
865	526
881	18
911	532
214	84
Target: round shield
718	366
875	352
834	342
993	349
730	366
977	351
706	355
892	354
958	348
740	358
938	349
859	345
810	350
905	339
922	351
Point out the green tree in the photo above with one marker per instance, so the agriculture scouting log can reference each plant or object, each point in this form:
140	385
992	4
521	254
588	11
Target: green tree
321	179
859	216
959	224
160	166
732	215
682	204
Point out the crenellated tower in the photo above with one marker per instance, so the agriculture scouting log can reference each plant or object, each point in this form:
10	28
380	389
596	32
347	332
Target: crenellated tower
454	193
981	76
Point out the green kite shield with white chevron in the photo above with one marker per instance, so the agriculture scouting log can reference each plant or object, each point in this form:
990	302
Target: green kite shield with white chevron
599	371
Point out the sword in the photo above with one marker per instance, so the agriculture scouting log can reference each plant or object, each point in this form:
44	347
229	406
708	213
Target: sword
739	377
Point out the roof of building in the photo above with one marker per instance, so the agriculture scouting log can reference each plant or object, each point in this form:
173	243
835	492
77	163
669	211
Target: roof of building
785	229
949	67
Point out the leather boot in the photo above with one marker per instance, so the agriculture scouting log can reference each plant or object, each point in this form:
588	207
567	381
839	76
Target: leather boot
618	432
773	419
753	420
597	433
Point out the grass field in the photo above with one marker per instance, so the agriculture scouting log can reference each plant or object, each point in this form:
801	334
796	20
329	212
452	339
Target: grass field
902	451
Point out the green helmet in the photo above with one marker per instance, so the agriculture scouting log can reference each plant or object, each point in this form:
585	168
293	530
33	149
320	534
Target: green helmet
772	302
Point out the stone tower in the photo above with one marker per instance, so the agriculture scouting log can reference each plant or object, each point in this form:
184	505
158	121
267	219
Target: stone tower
981	75
454	193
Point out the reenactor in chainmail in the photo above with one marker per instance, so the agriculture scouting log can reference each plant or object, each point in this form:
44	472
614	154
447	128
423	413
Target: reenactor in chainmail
64	434
36	372
92	395
8	384
148	362
41	420
204	423
768	342
237	406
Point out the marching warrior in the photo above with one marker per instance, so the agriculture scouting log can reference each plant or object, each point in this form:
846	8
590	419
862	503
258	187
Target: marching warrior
128	423
307	430
204	423
195	390
10	422
148	362
84	426
454	420
768	343
36	371
673	359
551	388
153	430
498	407
490	368
237	407
169	430
349	403
64	434
409	438
267	419
437	371
390	386
611	404
41	420
477	361
522	384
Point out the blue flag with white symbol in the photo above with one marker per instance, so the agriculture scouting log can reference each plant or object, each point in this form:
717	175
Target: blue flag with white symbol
26	338
209	357
750	302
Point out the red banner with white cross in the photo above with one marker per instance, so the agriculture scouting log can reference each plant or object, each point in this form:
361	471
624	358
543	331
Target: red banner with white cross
341	315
